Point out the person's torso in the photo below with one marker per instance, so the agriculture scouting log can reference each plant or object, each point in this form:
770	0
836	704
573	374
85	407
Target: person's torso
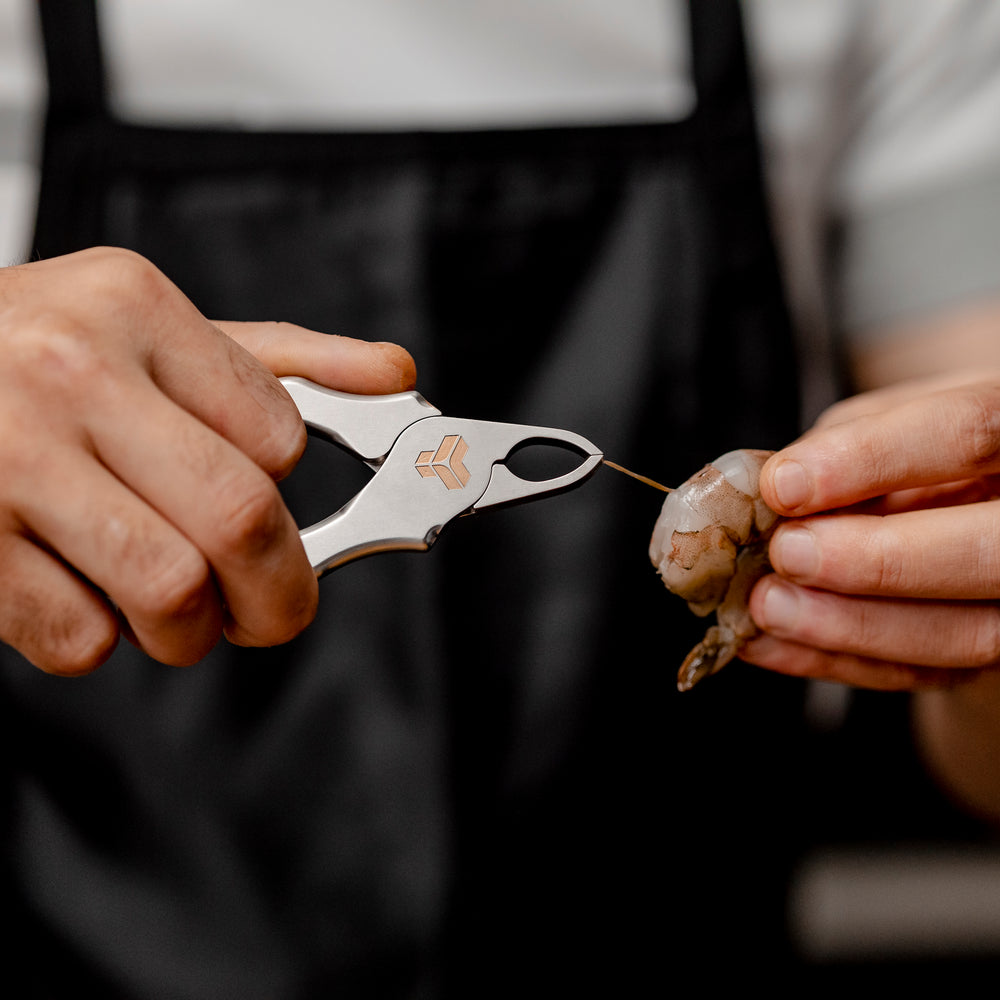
460	766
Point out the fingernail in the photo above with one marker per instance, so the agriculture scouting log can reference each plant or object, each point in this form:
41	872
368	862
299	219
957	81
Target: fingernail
791	484
794	552
780	605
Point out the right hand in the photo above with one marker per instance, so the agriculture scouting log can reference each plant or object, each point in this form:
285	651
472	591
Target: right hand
139	449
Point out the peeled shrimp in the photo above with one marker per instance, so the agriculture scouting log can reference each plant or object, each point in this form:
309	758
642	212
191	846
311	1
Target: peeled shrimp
710	547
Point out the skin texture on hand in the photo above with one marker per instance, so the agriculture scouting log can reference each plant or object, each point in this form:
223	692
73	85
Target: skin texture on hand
896	587
141	445
888	575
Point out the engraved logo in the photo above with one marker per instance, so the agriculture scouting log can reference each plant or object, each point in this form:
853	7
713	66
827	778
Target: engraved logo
446	462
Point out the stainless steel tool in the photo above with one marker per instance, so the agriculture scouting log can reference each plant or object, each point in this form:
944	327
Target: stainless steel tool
430	469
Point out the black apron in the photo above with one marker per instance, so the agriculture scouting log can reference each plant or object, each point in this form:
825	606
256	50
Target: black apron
472	775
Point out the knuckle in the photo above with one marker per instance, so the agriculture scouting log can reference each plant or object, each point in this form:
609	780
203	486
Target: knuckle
299	616
251	525
283	622
175	588
83	654
77	645
120	282
979	425
980	646
187	650
73	342
62	632
863	554
283	445
888	568
286	631
875	450
121	271
282	438
981	557
868	628
54	354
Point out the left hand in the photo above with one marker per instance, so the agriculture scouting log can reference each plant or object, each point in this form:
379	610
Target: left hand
888	576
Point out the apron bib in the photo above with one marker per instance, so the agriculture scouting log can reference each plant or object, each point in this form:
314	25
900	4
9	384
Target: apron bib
470	772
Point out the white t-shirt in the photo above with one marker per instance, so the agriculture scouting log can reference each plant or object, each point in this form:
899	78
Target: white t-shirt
880	118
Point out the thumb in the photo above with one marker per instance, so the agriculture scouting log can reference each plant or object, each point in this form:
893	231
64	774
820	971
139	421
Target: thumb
939	438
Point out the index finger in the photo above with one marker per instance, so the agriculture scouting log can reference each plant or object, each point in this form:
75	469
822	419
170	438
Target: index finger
343	363
942	437
236	390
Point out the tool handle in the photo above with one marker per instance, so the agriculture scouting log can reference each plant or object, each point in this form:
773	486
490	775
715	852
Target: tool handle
365	425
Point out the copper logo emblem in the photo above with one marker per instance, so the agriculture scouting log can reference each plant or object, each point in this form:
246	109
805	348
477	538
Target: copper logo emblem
446	462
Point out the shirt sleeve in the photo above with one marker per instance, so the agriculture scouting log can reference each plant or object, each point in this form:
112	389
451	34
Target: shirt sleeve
916	193
881	126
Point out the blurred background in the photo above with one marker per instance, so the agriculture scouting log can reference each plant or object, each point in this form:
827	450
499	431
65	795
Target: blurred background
800	822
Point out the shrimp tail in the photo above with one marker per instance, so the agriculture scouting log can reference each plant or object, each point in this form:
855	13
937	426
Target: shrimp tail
708	657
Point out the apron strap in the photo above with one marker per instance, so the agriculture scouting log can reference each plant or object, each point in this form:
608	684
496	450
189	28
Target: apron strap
73	59
719	64
77	124
752	342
